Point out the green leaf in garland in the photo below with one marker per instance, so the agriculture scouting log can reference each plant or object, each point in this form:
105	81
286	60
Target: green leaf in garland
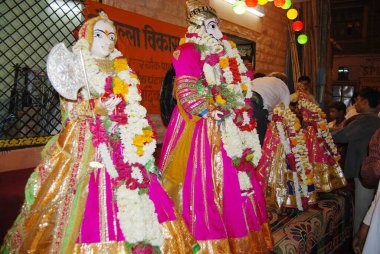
143	191
236	161
128	247
147	128
196	248
107	123
201	48
156	250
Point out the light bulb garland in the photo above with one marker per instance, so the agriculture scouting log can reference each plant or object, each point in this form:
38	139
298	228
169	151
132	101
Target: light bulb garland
240	7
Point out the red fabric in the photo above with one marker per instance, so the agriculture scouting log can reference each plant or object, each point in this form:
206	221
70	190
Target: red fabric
370	170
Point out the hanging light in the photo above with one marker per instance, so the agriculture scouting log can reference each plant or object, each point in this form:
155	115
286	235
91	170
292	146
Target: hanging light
262	2
239	7
292	14
302	39
251	3
279	3
287	4
297	26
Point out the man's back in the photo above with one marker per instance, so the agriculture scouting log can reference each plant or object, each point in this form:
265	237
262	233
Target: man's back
273	91
357	135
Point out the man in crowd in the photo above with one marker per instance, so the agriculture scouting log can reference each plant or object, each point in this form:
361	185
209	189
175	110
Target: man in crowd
337	111
303	84
267	93
369	230
357	135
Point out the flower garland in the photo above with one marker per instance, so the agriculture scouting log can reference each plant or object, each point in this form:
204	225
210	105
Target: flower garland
228	83
314	116
296	151
137	217
244	181
128	161
95	77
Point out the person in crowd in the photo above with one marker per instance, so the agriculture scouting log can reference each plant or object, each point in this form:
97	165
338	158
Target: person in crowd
357	135
96	189
304	85
337	111
258	75
267	93
369	231
304	80
351	111
211	144
279	75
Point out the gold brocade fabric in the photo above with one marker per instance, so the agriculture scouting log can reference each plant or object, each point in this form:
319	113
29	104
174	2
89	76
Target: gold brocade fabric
52	222
178	239
214	138
172	177
290	201
276	189
327	176
100	248
254	243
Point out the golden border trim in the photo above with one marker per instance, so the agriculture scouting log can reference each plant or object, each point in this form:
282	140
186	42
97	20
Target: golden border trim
17	142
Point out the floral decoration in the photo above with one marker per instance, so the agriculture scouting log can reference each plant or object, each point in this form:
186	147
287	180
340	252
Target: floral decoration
228	85
125	150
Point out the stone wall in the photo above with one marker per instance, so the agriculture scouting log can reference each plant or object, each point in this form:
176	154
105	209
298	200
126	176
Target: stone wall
270	33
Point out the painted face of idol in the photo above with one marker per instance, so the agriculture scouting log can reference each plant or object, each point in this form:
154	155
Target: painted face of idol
104	39
212	28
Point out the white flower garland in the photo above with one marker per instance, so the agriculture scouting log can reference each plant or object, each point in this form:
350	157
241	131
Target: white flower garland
127	133
210	44
244	181
284	140
106	158
321	133
300	151
136	113
96	78
236	141
137	217
297	190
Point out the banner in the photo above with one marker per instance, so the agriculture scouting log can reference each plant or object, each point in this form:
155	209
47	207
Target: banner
147	44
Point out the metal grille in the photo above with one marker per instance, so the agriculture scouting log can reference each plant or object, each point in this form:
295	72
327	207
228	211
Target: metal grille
29	106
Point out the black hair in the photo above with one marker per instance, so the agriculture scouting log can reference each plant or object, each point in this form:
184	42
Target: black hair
371	95
338	105
258	75
304	78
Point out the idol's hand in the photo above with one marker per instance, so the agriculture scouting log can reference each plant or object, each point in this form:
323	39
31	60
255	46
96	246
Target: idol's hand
111	103
217	115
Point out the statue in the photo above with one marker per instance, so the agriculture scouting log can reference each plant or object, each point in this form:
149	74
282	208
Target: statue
211	144
96	190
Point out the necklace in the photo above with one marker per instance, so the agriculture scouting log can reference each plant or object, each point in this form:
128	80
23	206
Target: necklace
105	65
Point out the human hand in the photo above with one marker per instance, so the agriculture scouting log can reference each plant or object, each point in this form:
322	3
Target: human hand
359	239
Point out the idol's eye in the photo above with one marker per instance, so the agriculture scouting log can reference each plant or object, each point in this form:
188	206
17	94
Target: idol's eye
211	25
111	37
98	35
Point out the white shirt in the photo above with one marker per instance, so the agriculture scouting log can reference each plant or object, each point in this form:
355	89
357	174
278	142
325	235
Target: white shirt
273	91
372	243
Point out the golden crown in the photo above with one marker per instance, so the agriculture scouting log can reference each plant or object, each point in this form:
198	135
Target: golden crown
197	12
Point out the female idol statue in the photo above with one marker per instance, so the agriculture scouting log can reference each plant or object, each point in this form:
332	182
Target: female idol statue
211	144
95	190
